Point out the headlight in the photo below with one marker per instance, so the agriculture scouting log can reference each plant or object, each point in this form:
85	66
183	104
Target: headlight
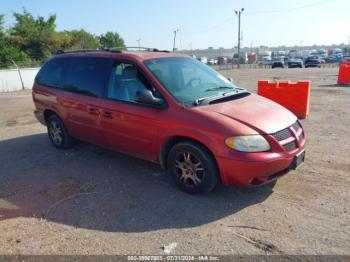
254	143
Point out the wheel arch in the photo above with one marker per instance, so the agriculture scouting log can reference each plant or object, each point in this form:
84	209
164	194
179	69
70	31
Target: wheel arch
173	140
48	113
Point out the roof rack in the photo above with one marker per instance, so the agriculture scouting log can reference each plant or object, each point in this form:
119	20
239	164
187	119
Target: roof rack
136	48
113	49
61	51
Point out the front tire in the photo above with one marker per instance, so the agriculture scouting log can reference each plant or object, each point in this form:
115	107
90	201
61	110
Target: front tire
193	167
58	134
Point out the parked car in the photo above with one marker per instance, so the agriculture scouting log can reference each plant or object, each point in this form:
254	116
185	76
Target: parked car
337	55
211	61
172	110
295	62
322	53
222	60
265	60
329	59
277	62
346	58
312	61
203	59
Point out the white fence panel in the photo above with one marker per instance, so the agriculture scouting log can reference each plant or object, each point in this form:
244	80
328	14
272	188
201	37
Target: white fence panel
11	81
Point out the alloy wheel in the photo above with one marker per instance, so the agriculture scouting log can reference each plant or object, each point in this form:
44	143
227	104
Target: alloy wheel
189	169
56	133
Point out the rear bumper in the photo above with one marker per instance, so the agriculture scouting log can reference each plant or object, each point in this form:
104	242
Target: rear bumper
313	65
255	173
294	65
40	117
277	65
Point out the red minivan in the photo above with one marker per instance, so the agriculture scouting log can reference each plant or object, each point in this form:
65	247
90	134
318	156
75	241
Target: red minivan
169	109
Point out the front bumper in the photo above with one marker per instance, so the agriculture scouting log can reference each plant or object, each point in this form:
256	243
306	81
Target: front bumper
254	173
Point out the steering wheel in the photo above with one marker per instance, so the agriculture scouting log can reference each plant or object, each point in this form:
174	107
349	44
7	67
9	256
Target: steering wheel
192	82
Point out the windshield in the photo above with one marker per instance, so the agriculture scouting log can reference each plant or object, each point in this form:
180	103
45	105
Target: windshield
188	80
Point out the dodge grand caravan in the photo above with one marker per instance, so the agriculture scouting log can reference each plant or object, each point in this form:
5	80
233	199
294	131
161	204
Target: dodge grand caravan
169	109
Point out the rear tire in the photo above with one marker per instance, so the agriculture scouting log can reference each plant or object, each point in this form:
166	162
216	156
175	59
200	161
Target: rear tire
58	134
193	167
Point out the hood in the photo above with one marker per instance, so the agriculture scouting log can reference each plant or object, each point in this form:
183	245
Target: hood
256	112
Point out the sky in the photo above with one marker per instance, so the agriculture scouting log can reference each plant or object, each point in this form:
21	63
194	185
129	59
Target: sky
201	23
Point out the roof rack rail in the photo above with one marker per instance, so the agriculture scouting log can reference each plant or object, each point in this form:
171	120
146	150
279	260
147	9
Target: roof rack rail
136	48
113	49
61	51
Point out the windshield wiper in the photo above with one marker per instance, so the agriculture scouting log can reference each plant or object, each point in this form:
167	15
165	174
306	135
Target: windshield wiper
198	101
239	93
218	88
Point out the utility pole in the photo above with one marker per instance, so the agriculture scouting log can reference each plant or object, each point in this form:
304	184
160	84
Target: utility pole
138	43
238	13
175	32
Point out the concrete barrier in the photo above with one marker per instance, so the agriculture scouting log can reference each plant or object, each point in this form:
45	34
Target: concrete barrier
10	79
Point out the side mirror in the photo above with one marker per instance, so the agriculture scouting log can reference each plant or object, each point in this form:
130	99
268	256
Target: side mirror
146	97
230	79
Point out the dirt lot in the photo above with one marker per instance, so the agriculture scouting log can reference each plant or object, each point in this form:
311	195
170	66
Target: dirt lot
89	200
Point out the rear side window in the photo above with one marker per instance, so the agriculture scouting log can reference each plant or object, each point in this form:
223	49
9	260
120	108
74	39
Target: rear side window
53	72
88	75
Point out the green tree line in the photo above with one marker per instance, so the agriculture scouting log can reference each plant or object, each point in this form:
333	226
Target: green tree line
31	40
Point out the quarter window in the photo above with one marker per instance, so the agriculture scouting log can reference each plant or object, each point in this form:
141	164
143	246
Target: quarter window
53	72
88	75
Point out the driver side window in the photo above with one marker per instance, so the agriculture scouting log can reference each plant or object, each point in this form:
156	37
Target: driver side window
125	81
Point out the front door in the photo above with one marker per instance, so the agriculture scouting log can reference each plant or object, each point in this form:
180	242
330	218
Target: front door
128	126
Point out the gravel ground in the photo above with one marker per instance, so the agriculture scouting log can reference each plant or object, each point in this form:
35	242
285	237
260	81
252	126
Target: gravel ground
89	200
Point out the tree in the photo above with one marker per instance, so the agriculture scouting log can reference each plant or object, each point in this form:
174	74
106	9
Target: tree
110	40
33	35
1	24
31	40
62	41
83	40
8	52
2	31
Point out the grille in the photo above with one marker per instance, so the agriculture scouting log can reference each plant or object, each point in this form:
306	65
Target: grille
290	146
296	126
282	135
286	133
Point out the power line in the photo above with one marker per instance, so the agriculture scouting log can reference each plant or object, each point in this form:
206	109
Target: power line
210	28
230	18
290	9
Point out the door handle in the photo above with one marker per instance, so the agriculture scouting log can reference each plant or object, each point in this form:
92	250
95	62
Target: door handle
107	114
93	111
